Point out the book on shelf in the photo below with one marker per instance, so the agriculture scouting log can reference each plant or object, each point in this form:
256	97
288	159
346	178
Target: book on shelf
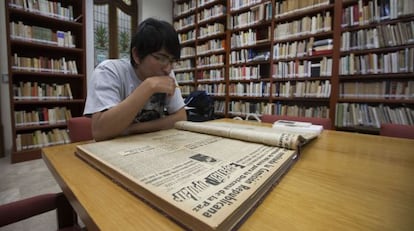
206	175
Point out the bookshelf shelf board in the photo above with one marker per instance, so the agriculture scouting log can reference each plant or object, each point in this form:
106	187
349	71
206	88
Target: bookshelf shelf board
360	129
40	102
40	127
290	16
318	35
210	37
17	43
301	99
256	25
51	74
377	50
40	18
213	52
213	19
25	155
376	100
381	76
303	58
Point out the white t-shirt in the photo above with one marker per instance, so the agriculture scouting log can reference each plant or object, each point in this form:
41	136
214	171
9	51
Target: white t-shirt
114	80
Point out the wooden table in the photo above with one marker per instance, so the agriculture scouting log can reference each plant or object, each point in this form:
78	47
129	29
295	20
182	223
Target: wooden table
342	181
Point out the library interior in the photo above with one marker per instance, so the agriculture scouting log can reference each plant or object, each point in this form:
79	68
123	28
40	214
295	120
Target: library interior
341	68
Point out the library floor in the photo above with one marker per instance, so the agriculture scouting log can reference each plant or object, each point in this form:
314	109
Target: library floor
22	180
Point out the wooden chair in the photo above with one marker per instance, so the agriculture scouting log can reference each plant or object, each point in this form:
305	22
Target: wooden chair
325	122
19	210
80	129
397	130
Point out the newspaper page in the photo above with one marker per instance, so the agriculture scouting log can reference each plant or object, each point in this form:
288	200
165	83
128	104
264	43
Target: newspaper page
204	182
246	132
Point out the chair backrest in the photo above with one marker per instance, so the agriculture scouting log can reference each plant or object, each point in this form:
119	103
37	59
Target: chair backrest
397	130
80	129
30	207
325	122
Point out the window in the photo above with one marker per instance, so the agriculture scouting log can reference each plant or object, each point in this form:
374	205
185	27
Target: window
114	23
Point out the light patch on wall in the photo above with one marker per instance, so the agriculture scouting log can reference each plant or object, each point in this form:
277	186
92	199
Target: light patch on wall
5	78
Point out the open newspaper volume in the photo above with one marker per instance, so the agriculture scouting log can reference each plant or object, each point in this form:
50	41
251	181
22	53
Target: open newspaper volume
205	176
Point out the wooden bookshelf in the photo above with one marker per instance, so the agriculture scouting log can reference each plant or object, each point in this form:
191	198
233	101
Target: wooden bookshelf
302	80
207	64
184	15
288	57
376	65
47	69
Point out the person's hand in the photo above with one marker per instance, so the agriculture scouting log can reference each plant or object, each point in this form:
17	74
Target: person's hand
162	84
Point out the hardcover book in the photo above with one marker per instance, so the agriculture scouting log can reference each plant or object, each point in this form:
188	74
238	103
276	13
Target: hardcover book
206	175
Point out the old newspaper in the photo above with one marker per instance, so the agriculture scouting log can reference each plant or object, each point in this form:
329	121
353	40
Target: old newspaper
202	181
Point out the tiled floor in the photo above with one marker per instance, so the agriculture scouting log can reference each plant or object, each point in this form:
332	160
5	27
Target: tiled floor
22	180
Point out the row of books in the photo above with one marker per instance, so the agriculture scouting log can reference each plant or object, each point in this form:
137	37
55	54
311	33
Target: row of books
184	77
45	7
248	55
41	35
184	23
210	30
304	26
42	116
187	36
302	48
41	91
277	108
219	106
216	89
353	114
387	89
287	7
365	12
255	15
44	64
186	89
248	38
401	33
188	52
214	45
183	65
252	89
322	46
39	139
312	89
238	4
210	61
244	72
303	68
184	7
401	61
210	75
242	108
211	13
201	3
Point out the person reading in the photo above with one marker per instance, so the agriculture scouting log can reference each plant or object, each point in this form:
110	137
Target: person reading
139	95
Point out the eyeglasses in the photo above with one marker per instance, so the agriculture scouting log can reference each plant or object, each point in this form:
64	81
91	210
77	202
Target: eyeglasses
163	59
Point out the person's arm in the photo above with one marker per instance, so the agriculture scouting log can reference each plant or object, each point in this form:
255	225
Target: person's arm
114	121
159	124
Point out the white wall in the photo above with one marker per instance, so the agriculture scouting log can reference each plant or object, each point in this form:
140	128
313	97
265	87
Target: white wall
4	86
159	9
